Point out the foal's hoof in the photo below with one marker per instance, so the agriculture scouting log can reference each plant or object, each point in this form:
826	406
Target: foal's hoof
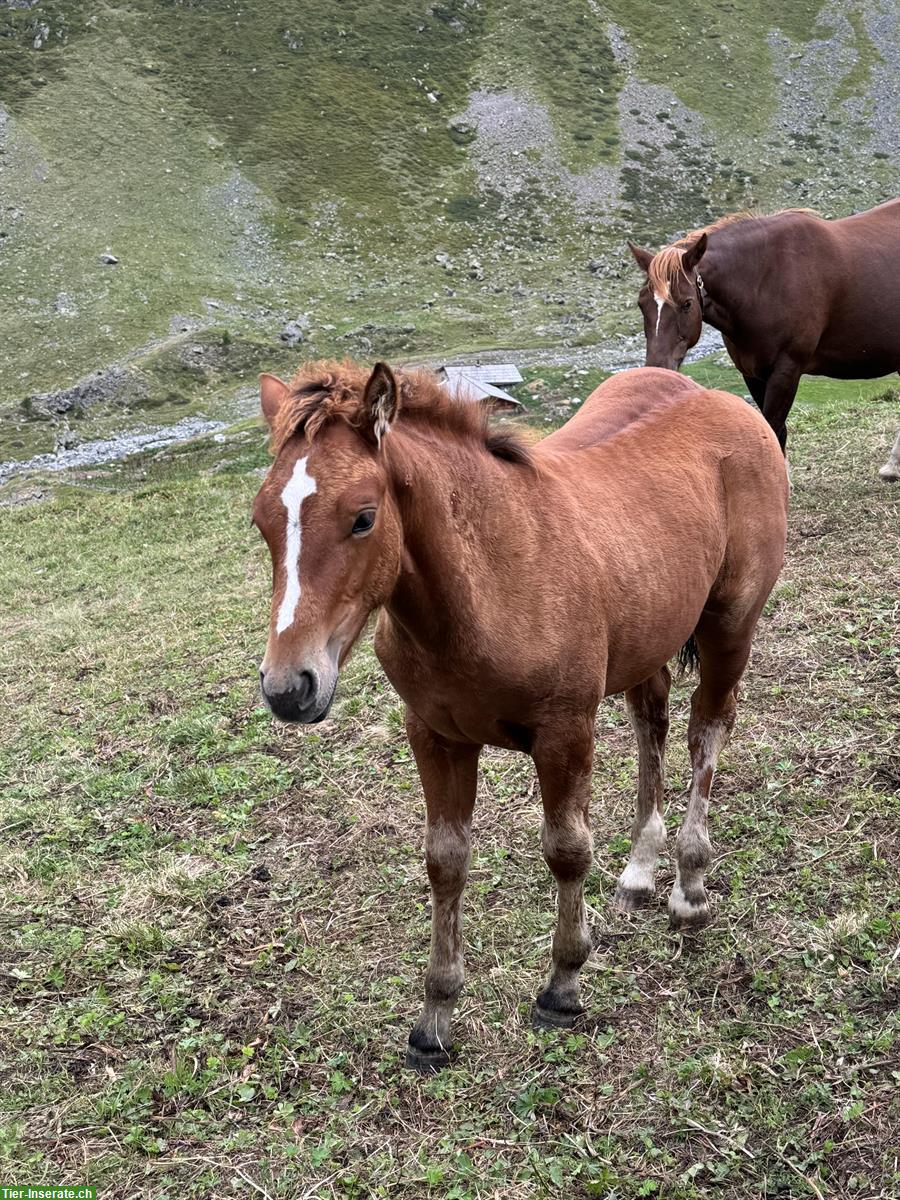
548	1018
548	1013
629	900
426	1062
689	918
425	1054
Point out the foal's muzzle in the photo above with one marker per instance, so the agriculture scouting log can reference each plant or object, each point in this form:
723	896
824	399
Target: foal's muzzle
300	697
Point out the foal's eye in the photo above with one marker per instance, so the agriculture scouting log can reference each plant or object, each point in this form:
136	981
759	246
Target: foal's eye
363	523
686	304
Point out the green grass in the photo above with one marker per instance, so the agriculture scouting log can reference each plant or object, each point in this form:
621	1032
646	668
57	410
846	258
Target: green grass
232	152
215	927
717	371
575	74
210	373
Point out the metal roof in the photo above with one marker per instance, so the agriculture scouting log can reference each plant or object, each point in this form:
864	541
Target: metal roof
485	372
464	387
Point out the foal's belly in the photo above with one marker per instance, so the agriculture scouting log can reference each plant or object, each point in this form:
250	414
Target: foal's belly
464	713
483	705
507	708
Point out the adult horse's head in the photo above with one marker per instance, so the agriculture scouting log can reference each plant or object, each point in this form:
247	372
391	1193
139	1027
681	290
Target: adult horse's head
671	300
331	525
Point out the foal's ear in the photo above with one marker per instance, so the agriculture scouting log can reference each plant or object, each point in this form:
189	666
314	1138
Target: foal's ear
272	393
694	253
642	257
381	400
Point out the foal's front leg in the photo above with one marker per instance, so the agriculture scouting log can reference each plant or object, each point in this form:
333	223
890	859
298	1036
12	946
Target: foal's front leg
563	757
449	774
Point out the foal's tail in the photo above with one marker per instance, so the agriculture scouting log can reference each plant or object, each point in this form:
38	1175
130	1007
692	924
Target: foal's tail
688	657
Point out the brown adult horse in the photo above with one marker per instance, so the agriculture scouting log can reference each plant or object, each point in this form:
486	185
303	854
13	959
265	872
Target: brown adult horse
792	294
387	493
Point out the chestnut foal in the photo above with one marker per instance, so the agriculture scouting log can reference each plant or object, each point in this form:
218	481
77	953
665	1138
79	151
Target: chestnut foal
516	588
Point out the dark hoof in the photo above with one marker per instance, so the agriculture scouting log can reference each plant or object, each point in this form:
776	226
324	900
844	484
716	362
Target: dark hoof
426	1062
549	1013
548	1018
629	900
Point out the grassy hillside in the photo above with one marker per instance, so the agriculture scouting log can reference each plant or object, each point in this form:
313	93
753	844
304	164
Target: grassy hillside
408	178
214	927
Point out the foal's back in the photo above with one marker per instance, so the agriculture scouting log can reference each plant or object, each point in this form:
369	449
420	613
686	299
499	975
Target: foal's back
618	404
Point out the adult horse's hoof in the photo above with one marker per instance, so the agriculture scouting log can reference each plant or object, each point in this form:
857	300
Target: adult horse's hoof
628	900
890	472
426	1062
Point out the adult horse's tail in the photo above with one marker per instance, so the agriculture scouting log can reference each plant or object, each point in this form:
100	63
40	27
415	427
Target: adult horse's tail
689	656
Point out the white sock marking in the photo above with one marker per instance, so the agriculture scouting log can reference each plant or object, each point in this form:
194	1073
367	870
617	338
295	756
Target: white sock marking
640	873
300	485
679	903
891	469
660	303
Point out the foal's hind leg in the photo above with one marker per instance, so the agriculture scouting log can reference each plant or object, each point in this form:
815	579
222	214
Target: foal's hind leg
648	708
890	472
563	756
449	773
713	711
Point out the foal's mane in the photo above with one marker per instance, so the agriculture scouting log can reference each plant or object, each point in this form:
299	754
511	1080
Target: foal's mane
668	263
325	391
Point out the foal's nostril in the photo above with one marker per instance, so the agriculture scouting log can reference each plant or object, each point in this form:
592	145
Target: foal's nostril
305	689
295	702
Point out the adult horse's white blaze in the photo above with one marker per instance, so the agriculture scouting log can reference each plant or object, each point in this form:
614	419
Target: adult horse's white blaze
660	303
300	485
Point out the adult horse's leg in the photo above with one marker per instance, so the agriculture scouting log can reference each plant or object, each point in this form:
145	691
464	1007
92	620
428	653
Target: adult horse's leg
648	708
781	388
757	389
563	755
449	773
723	657
890	472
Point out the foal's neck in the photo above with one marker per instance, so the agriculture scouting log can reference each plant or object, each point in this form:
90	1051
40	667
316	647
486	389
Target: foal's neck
467	531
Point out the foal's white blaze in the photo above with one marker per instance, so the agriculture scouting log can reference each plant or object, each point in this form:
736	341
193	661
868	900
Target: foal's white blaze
660	302
300	485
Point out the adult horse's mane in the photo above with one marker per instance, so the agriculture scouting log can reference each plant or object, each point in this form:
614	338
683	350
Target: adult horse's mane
325	391
668	264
